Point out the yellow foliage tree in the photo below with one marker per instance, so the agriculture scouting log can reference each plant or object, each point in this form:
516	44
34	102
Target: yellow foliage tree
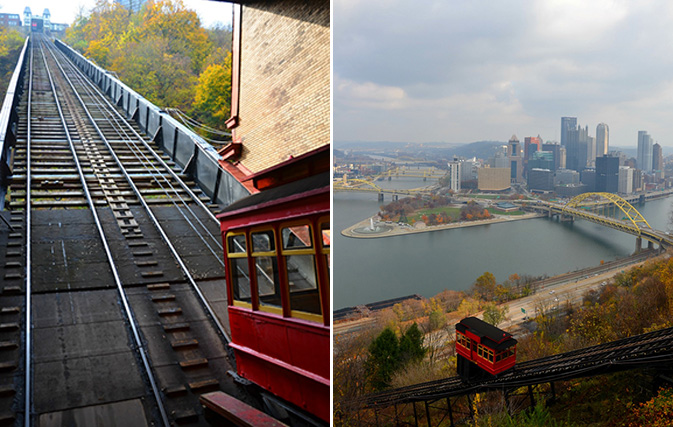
213	93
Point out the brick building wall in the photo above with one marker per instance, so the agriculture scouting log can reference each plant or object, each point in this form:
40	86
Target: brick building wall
285	81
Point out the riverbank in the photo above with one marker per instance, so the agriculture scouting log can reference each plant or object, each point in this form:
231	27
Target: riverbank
551	293
363	229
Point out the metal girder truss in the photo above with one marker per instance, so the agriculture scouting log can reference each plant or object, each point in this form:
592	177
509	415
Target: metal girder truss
635	224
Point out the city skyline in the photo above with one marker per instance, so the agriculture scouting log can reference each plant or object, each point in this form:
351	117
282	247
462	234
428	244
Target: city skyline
458	72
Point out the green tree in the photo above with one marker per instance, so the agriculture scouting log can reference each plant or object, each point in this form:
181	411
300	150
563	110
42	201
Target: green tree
411	346
383	361
436	320
495	315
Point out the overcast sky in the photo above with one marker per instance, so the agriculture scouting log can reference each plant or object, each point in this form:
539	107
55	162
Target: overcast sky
463	71
209	12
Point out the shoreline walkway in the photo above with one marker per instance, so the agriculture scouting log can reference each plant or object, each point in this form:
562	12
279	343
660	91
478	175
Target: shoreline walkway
362	230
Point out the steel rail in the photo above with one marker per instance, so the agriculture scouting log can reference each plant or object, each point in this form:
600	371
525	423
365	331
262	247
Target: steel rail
117	117
156	223
127	309
27	388
146	162
142	140
108	110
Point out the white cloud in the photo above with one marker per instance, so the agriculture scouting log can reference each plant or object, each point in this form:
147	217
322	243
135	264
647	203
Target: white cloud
498	68
368	94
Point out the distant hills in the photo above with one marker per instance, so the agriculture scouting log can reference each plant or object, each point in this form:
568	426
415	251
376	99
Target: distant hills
479	149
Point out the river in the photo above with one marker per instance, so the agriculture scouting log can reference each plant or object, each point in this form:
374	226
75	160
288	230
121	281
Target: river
369	270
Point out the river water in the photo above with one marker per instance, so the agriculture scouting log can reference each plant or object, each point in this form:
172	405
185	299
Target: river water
369	270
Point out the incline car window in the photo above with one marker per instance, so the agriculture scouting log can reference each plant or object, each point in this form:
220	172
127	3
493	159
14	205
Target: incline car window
299	254
238	263
266	269
326	241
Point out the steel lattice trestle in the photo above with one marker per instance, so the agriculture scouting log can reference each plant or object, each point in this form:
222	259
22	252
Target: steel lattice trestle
649	350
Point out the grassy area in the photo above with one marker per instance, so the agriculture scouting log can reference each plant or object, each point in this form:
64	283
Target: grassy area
454	213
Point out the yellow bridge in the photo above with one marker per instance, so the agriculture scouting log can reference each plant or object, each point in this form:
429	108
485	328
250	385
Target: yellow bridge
596	207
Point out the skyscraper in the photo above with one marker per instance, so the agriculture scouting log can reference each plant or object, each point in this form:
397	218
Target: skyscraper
567	123
515	159
644	160
577	148
607	174
556	149
657	158
454	175
531	144
602	139
591	150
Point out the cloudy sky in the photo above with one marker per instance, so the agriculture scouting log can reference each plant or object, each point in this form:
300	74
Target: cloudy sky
463	71
210	12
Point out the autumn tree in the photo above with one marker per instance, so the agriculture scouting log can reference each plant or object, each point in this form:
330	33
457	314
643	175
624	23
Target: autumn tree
484	286
656	412
11	43
180	27
163	53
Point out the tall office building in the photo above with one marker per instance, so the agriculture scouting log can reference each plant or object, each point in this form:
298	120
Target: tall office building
602	139
556	149
567	123
625	185
454	175
644	160
531	144
515	159
657	158
591	150
607	174
577	148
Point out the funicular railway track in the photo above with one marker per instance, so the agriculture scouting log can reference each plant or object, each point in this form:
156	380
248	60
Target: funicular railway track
123	265
646	350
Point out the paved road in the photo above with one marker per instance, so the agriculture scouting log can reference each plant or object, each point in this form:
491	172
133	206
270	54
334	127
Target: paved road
552	292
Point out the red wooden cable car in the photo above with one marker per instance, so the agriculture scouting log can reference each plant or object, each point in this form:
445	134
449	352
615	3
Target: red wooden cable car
277	253
483	348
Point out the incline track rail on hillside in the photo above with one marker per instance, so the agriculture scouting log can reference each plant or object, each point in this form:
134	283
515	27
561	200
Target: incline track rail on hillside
122	294
81	154
646	350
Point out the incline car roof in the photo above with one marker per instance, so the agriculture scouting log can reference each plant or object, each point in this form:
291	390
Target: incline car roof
485	330
316	182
